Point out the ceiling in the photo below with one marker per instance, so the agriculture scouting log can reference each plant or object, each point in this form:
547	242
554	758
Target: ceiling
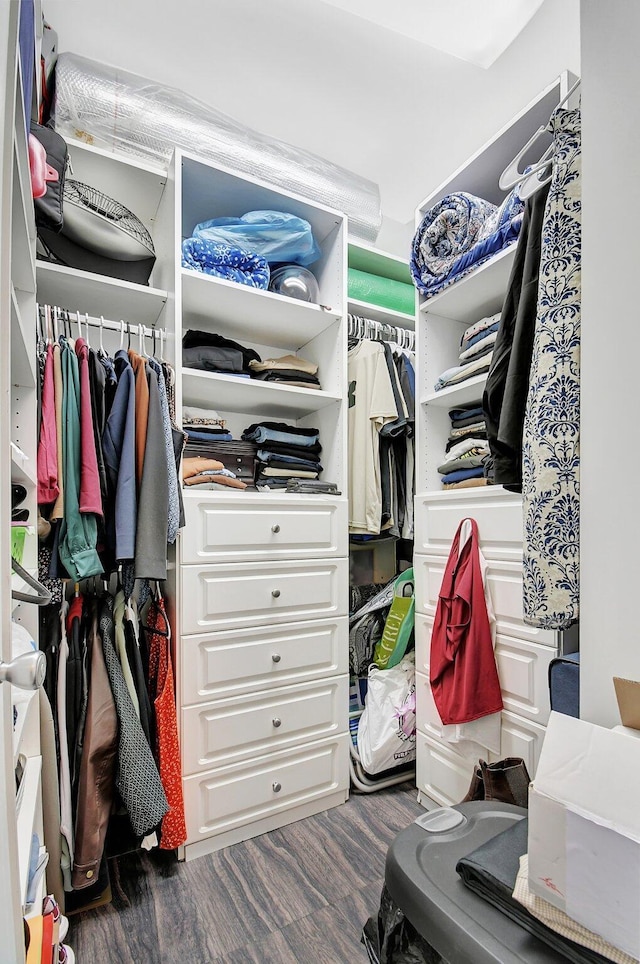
371	99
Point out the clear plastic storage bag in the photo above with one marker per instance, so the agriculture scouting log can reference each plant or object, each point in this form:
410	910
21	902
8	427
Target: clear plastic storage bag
275	235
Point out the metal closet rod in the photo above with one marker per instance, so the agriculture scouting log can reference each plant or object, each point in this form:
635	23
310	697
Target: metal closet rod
83	318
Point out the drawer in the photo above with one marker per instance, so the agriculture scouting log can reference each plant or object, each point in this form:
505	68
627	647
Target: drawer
246	660
226	596
248	726
497	512
441	772
427	716
523	668
240	794
254	529
505	586
522	738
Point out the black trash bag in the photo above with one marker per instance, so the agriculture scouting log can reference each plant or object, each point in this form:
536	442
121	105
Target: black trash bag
390	938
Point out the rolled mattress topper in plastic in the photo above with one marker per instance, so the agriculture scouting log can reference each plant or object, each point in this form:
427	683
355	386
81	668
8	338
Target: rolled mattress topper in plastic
384	292
121	111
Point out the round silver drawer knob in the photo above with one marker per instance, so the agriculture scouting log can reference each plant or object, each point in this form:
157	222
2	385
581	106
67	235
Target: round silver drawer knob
275	528
276	657
276	722
277	787
275	593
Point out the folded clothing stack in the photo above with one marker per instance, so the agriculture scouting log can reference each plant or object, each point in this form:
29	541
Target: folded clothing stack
287	370
476	352
202	426
210	474
284	452
227	261
209	352
467	448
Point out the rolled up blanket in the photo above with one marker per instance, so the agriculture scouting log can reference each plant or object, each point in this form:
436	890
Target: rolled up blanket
225	261
454	229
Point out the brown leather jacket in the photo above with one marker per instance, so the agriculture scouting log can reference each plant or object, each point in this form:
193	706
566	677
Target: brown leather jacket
97	770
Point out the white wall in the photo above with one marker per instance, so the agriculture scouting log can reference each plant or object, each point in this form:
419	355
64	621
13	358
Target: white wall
610	457
378	103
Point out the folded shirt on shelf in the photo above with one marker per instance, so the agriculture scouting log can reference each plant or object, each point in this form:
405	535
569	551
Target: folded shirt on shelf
285	363
200	435
209	359
475	428
479	329
201	416
481	347
224	479
454	376
461	474
288	461
281	432
473	459
217	343
472	410
466	445
267	454
309	451
194	466
466	484
288	473
284	377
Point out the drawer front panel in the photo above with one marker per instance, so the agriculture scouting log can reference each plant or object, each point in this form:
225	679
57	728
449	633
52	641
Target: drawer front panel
523	668
249	529
521	738
441	773
222	597
505	586
237	795
248	726
246	660
498	514
427	716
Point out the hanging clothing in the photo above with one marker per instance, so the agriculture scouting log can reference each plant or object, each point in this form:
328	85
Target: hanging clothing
173	523
79	530
138	365
153	505
462	667
161	686
90	495
551	452
119	454
98	390
371	406
97	768
48	489
121	648
66	809
58	509
137	778
131	635
505	395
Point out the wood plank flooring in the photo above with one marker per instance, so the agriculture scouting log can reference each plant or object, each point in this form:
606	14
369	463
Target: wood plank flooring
299	895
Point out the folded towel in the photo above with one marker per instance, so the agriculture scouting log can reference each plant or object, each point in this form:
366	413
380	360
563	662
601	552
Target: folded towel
225	261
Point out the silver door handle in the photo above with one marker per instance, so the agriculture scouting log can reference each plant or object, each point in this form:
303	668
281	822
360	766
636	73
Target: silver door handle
26	671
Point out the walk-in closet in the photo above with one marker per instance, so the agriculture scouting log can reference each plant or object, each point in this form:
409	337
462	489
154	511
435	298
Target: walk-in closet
318	573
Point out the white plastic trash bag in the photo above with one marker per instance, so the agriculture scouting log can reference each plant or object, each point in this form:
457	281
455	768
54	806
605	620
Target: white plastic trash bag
387	730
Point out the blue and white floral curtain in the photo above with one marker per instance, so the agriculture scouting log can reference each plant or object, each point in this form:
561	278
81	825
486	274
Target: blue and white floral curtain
551	448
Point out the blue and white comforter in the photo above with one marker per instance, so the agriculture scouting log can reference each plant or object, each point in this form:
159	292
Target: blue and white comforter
225	261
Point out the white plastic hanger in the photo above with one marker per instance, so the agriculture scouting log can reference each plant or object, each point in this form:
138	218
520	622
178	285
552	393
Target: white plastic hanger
530	183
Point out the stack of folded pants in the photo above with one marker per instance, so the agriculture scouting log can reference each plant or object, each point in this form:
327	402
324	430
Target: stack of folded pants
209	352
209	474
476	352
203	428
284	452
286	370
467	448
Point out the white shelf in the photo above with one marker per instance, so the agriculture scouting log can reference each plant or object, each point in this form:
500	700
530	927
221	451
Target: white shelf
22	260
454	395
249	396
23	371
479	492
233	309
23	469
23	702
479	294
98	295
364	257
385	315
26	818
131	180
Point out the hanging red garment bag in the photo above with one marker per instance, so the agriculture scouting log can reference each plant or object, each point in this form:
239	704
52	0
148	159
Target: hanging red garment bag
462	671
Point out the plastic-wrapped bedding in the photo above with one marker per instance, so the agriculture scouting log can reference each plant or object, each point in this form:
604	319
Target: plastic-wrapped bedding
459	233
118	110
225	261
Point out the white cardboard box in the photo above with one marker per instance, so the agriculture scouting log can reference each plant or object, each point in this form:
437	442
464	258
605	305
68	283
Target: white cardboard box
584	828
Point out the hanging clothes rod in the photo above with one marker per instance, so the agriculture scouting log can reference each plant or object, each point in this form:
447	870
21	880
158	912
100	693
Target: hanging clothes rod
359	327
82	318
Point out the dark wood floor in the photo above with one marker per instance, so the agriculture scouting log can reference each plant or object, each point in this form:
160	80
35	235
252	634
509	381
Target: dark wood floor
299	895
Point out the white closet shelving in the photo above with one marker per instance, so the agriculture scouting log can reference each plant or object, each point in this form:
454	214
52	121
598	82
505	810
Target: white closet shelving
364	257
522	653
261	619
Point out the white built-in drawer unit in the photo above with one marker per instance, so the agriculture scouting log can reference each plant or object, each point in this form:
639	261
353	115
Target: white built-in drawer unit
523	668
250	528
497	512
235	595
245	660
243	793
505	587
247	726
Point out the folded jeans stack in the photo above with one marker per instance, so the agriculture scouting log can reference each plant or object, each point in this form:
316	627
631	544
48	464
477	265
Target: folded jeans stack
203	427
466	450
286	370
284	452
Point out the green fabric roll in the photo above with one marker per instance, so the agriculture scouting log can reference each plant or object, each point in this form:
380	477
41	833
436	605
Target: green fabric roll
380	291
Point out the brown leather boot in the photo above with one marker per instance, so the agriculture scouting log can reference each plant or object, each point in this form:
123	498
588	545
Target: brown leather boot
476	787
506	781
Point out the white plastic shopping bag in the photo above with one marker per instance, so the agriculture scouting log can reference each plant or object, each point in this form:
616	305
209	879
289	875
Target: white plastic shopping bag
387	730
